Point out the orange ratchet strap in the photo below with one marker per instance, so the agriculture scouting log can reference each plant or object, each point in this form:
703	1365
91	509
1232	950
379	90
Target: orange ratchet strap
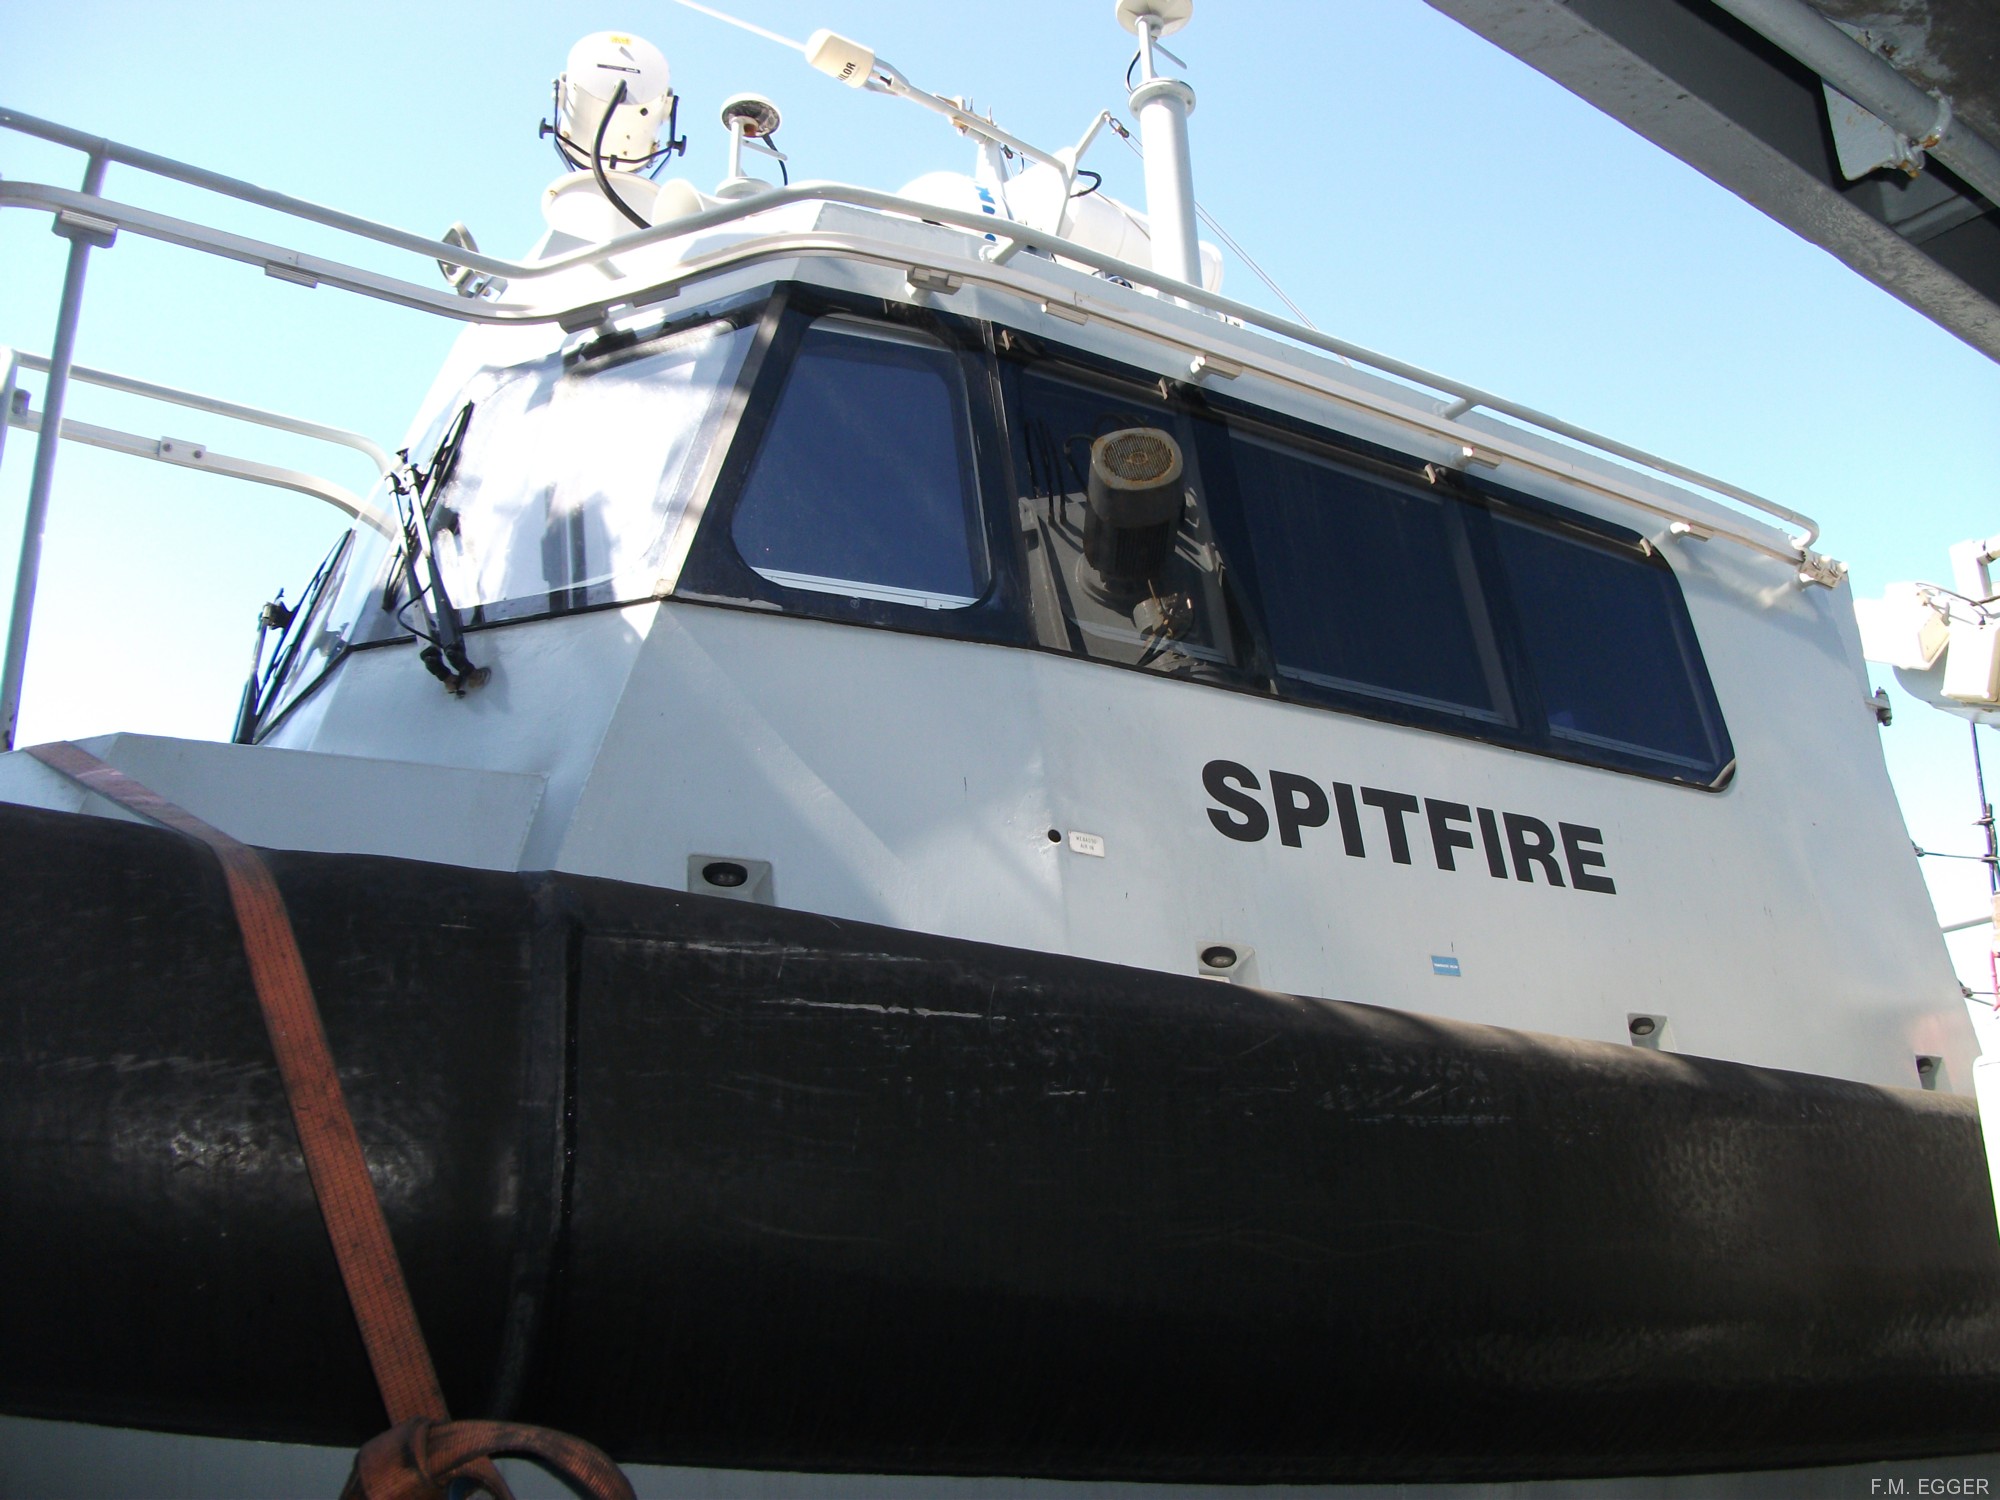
424	1449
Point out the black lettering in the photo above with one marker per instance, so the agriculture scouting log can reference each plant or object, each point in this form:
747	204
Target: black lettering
1531	842
1444	837
1582	861
1287	791
1395	807
1251	822
1489	840
1350	820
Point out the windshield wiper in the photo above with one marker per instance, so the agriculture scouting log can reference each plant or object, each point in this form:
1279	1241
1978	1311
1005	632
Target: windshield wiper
292	622
423	515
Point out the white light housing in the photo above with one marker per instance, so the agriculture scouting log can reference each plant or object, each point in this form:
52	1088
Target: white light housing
837	57
1972	662
597	66
1901	629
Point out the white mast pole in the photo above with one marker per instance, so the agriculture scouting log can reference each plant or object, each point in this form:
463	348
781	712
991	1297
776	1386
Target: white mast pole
1162	107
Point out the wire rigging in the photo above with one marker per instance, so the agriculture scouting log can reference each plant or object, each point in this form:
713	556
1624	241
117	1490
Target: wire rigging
1124	133
741	25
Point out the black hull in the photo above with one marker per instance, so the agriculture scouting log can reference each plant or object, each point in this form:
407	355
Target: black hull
716	1184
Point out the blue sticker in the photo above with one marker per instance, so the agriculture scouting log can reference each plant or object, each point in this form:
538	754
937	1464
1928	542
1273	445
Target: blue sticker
1441	964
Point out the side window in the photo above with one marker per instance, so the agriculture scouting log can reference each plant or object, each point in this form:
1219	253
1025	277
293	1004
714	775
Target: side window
864	484
1611	648
571	482
1123	559
1367	587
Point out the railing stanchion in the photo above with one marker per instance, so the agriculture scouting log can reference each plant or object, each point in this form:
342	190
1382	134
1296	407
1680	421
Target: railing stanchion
27	572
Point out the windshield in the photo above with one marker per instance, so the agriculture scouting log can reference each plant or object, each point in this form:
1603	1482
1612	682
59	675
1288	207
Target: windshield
567	491
571	483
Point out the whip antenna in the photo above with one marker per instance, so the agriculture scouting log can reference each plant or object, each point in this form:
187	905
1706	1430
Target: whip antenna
742	25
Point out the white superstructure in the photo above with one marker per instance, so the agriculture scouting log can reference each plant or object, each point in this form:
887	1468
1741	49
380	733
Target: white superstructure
999	752
775	542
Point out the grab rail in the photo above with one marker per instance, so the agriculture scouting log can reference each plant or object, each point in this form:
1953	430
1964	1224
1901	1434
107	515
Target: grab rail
289	264
89	220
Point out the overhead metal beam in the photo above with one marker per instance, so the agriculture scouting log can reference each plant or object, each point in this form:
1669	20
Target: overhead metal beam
1697	81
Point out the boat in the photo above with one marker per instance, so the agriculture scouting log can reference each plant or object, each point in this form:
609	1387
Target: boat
927	848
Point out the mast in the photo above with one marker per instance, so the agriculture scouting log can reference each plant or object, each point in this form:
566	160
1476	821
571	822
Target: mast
1162	106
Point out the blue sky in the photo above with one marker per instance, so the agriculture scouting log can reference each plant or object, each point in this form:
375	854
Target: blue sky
1411	187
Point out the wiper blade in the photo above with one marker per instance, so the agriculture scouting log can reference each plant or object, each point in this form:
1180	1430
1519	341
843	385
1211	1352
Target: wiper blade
418	504
291	622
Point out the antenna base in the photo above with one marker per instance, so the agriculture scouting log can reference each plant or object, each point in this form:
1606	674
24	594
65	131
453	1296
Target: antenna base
1162	88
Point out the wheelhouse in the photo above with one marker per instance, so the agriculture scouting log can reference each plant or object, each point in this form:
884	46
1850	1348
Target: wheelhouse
892	466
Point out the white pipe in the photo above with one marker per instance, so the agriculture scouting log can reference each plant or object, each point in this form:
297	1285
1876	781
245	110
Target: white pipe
192	455
892	82
14	668
217	242
1162	107
1803	33
215	405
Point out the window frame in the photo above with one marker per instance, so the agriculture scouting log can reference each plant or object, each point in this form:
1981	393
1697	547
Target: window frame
717	573
1012	611
1463	534
379	628
1480	501
1247	669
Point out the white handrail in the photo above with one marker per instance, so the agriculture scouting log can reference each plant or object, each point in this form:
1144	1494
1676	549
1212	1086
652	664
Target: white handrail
215	405
313	270
189	454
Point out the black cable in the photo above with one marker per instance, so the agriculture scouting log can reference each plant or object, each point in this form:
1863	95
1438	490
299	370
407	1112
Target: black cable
1128	71
1096	182
1992	855
572	156
597	161
416	630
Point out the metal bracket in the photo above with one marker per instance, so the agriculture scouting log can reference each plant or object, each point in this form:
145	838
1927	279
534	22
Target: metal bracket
584	319
1827	572
929	279
463	279
1210	364
1069	312
84	229
278	271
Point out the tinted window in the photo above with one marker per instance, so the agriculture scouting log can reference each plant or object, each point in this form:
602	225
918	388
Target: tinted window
864	482
1610	646
1366	587
1152	597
